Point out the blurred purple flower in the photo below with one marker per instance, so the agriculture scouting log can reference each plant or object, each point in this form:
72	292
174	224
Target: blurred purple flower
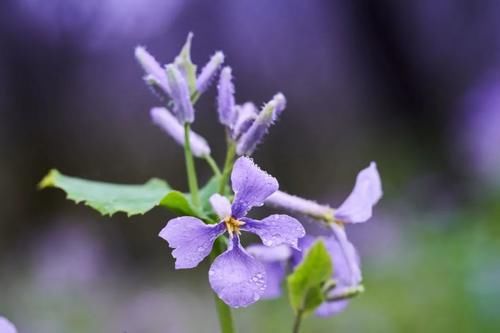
236	277
68	257
479	131
100	23
6	326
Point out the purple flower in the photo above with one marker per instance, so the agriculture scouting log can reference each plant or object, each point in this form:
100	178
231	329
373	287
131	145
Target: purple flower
356	208
235	276
6	326
164	119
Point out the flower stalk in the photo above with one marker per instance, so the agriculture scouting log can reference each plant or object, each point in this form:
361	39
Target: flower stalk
190	167
228	164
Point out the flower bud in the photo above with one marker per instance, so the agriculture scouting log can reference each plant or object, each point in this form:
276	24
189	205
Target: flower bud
225	98
209	71
155	74
253	136
179	92
163	118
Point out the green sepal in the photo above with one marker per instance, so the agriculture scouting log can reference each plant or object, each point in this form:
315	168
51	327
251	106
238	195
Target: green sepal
109	198
186	66
305	283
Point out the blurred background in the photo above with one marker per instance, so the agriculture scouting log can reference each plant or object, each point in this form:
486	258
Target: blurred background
414	86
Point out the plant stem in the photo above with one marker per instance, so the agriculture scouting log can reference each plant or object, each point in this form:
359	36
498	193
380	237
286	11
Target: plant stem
223	310
297	321
228	164
191	170
213	165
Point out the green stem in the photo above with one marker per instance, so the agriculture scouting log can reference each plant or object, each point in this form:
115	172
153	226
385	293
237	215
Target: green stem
223	310
213	165
228	164
191	170
297	321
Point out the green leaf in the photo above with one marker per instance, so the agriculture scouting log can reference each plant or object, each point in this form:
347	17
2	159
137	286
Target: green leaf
109	198
304	284
180	204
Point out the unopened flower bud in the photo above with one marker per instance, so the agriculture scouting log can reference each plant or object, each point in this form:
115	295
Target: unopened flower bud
164	119
253	136
209	72
179	92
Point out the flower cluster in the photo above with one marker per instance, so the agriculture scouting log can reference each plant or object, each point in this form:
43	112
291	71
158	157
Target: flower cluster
242	276
179	83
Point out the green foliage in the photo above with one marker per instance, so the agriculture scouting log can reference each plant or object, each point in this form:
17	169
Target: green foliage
109	198
179	203
304	284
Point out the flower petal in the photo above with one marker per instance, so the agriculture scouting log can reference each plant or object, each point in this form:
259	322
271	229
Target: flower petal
345	258
191	239
221	205
267	254
236	277
366	193
276	230
274	261
251	186
331	308
6	326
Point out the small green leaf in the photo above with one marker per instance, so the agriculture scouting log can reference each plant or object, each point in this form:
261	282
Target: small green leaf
304	284
179	203
109	198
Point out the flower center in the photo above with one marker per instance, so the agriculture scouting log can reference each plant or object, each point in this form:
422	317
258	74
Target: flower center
233	225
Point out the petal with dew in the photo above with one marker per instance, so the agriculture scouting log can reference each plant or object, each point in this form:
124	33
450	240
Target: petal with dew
191	239
366	193
276	230
251	186
274	261
236	277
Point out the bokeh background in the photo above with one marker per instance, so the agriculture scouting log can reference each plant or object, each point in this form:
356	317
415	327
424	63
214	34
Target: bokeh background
413	85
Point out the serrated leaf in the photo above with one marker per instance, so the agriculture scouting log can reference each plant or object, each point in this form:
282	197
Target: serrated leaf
109	198
179	203
304	284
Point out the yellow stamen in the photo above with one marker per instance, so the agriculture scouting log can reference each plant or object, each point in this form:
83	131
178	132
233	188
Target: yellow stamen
233	225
